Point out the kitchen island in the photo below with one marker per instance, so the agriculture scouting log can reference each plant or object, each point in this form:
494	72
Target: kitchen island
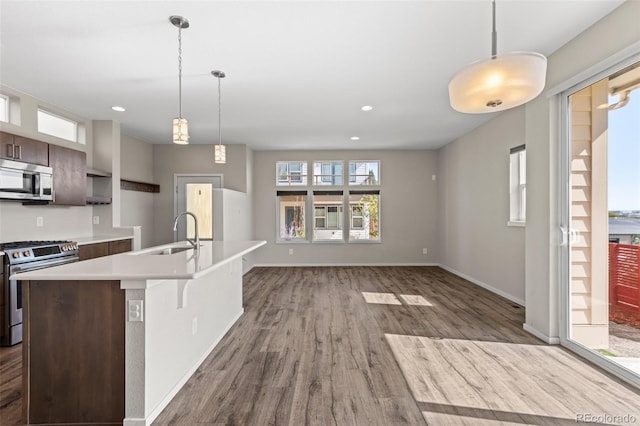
112	340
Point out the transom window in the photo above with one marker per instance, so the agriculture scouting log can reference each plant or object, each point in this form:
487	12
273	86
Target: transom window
55	125
4	108
327	173
291	173
364	173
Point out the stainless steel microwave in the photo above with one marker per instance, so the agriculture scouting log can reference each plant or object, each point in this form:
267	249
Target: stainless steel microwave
24	181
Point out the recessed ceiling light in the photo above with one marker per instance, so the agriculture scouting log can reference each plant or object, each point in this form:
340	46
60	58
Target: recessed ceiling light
118	108
367	108
355	138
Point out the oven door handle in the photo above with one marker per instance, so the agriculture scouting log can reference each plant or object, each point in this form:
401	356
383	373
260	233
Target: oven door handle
32	266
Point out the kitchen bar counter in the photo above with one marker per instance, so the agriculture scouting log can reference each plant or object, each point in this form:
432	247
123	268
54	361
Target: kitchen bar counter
147	264
112	340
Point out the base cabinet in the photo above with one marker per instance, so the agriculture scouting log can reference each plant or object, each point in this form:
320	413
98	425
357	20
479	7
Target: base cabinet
65	383
92	251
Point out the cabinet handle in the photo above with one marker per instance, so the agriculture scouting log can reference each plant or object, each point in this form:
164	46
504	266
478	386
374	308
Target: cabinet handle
18	156
10	150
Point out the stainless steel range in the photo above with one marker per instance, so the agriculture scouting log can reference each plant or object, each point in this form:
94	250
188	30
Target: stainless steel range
23	256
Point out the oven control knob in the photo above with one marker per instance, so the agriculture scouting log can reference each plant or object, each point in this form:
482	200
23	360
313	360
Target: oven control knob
63	248
26	253
16	255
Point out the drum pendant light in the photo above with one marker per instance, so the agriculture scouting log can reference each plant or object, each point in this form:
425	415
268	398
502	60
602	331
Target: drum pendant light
180	125
220	153
500	82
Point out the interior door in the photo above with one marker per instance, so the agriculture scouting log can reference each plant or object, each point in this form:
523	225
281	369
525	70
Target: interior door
194	193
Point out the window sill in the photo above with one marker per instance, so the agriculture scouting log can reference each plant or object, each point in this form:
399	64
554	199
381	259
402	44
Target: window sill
517	224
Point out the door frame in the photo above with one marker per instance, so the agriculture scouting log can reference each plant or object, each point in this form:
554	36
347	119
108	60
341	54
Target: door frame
591	76
177	176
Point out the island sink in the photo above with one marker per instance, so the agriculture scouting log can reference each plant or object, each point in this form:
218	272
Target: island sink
170	250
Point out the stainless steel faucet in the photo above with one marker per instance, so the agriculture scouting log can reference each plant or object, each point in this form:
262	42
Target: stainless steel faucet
195	243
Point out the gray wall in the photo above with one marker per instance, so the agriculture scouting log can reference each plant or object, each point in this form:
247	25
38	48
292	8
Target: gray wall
617	31
136	162
171	159
408	211
474	239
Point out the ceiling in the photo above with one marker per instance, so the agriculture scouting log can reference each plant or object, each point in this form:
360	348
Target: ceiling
297	72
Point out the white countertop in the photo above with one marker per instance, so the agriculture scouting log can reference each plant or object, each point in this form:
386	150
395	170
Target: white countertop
141	265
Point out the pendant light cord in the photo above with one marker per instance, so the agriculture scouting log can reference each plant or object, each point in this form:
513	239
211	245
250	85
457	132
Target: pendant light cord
494	34
219	113
180	70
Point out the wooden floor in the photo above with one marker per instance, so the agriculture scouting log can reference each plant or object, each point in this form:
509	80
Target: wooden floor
11	385
388	346
379	346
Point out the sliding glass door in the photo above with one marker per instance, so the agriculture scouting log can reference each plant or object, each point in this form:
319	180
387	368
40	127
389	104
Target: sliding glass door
601	221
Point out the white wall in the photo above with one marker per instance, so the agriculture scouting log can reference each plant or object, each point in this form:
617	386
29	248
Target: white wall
137	207
408	211
236	215
474	238
617	31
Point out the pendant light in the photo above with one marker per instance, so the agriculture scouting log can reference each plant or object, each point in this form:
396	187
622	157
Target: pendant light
220	156
180	125
499	83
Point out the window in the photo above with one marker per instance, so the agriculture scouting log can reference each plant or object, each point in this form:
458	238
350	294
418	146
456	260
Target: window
364	215
517	185
327	173
291	215
364	173
4	108
321	206
291	173
57	126
327	216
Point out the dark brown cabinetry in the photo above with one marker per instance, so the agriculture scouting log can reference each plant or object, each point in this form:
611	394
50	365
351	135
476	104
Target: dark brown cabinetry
19	148
1	307
119	246
91	251
69	386
69	175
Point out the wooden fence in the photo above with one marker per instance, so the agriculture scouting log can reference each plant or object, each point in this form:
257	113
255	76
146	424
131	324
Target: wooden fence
624	277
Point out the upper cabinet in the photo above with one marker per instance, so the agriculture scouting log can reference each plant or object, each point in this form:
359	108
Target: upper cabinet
18	148
69	175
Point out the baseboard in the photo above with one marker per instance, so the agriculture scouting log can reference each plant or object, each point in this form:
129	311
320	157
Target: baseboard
484	285
540	335
311	265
